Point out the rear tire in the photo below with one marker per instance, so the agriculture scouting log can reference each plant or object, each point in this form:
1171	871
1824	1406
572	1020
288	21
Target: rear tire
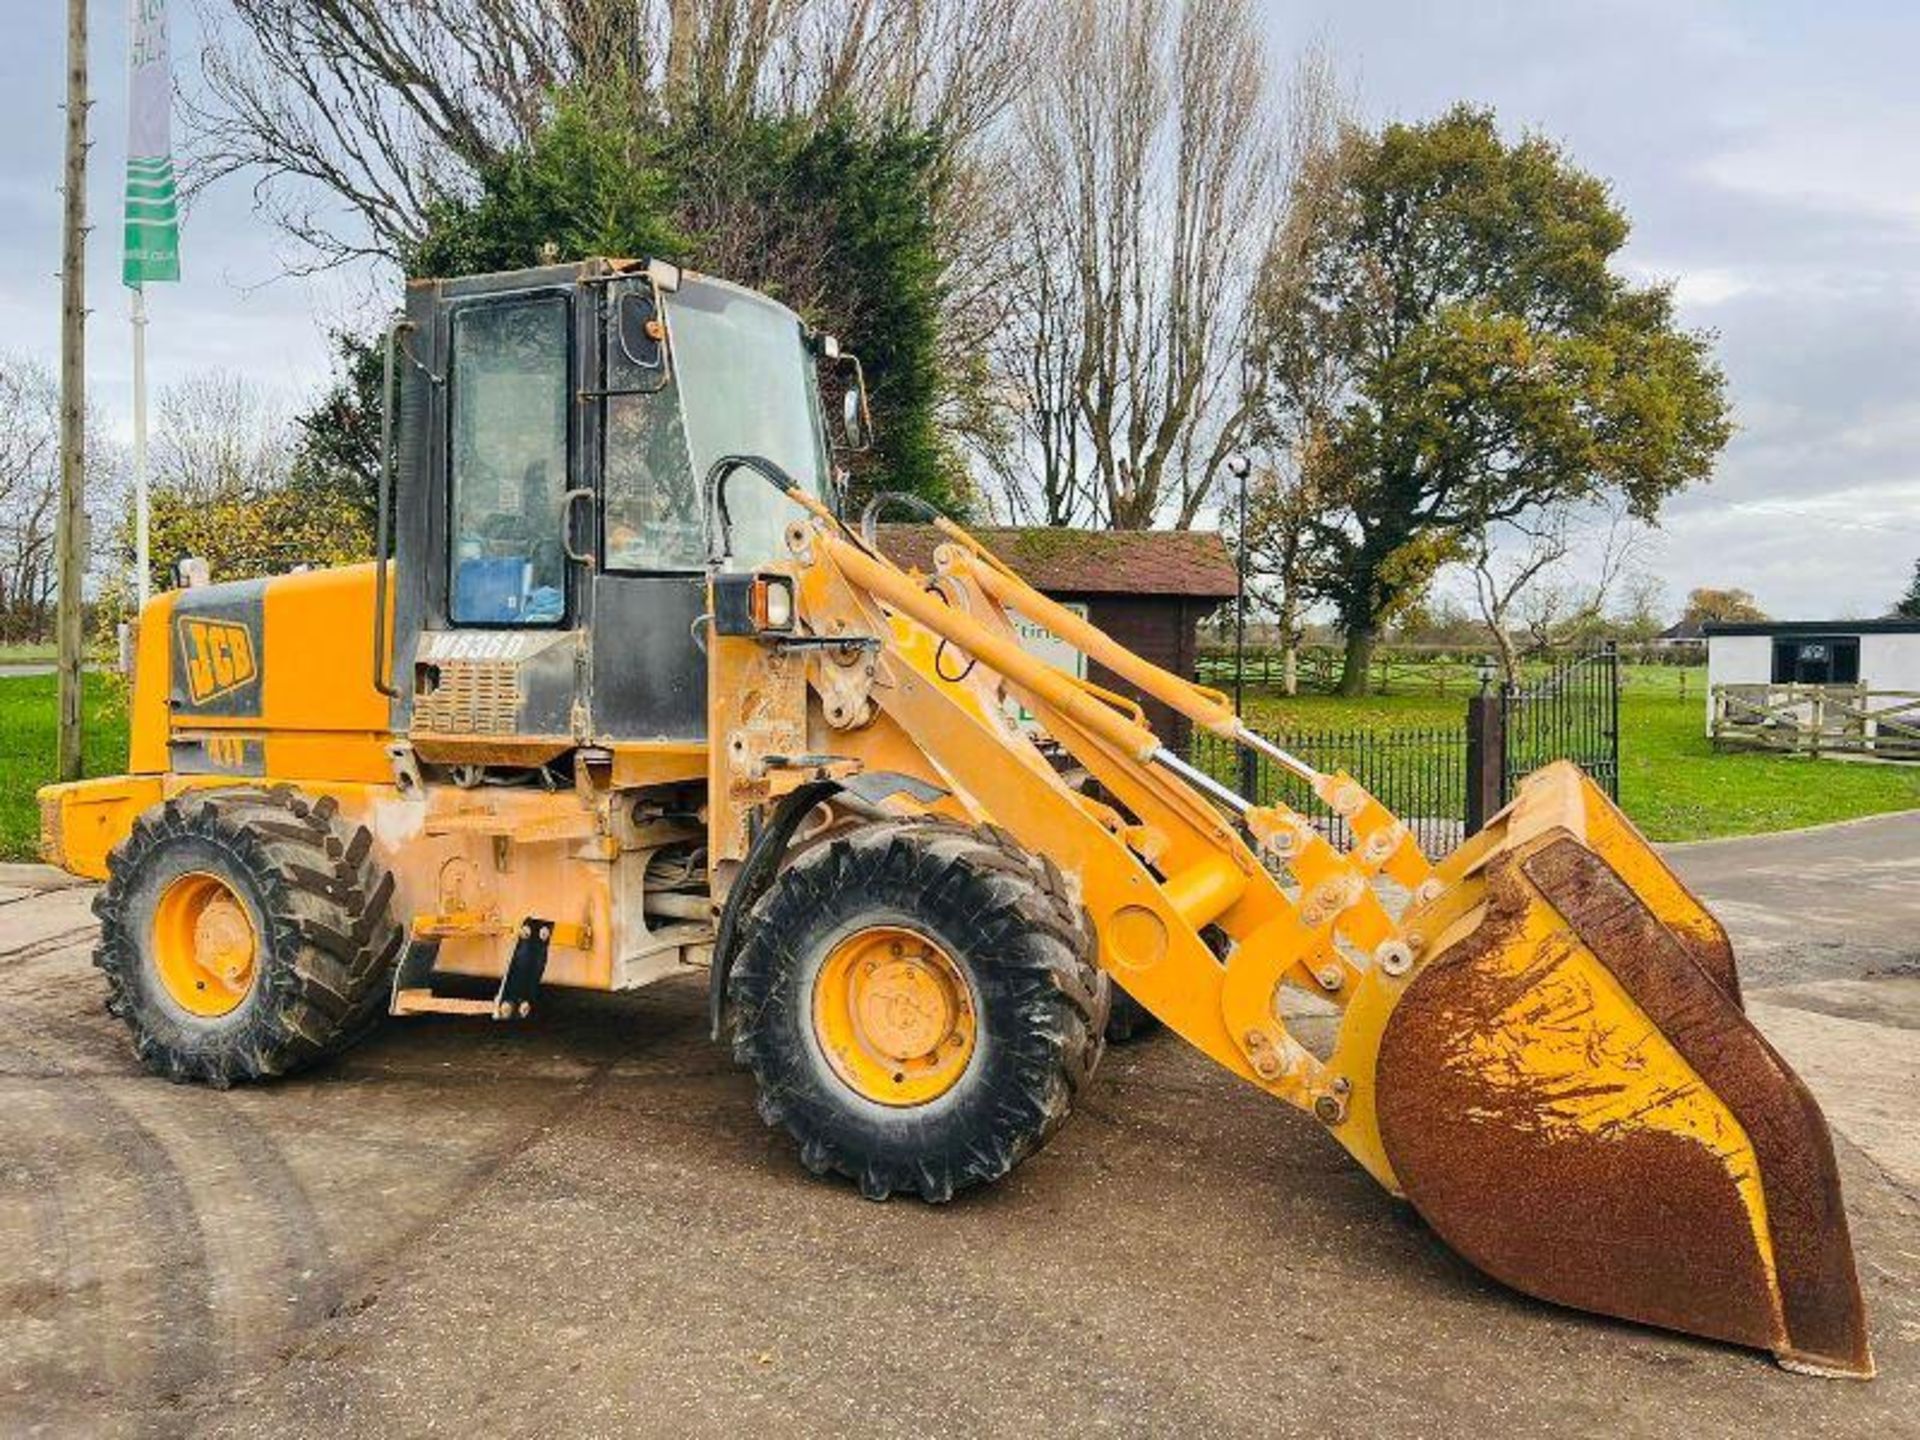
292	888
1031	1005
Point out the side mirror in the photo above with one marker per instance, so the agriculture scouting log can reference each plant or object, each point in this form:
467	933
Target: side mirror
642	335
853	417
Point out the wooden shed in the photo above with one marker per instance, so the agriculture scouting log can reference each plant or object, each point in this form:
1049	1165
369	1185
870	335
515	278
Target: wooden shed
1149	589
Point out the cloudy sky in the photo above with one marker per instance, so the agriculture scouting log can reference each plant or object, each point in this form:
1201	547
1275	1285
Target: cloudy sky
1768	153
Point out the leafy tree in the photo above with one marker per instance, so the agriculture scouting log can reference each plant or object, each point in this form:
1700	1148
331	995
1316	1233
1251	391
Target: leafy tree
1707	606
1907	607
337	443
590	182
1486	362
269	533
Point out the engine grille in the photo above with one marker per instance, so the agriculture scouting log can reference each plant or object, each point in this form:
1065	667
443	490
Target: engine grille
472	697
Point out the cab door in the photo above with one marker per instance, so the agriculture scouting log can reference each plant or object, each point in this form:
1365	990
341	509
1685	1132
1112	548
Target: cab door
648	675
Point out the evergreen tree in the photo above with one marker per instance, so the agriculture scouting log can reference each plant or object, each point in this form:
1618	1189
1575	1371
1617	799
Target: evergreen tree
1907	607
833	217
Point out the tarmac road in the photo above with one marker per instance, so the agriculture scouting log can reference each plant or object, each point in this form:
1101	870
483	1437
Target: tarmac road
578	1226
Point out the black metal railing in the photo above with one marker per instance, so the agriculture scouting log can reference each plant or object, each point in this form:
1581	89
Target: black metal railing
1418	773
1446	780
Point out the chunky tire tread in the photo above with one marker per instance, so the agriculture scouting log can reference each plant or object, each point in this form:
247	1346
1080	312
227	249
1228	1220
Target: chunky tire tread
1010	917
329	946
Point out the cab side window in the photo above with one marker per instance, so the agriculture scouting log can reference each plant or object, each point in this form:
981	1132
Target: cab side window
652	498
508	461
653	505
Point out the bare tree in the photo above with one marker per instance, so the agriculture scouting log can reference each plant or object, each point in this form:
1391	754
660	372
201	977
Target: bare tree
1524	580
351	117
30	495
1641	609
1503	574
220	436
1283	562
951	64
1152	161
1286	550
1148	151
1031	443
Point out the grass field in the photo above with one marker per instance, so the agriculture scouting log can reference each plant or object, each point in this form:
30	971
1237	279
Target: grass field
1672	782
27	750
26	653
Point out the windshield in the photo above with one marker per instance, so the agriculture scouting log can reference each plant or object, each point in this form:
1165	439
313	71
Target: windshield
746	383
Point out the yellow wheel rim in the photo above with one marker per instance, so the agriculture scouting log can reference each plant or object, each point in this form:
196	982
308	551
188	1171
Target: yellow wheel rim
204	945
894	1015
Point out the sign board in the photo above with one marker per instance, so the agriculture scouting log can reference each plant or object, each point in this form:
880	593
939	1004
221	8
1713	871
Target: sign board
1040	643
153	213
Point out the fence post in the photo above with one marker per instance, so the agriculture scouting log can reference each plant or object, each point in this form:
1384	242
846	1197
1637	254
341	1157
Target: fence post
1250	775
1615	679
1486	757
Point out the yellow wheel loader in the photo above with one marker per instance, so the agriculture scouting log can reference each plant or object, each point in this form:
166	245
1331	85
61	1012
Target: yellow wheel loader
624	696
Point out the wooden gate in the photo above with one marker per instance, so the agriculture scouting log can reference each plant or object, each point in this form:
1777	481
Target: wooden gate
1817	719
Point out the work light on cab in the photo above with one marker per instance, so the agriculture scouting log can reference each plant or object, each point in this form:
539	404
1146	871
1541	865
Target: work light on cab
752	605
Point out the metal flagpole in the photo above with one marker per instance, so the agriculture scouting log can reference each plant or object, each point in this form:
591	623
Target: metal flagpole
141	568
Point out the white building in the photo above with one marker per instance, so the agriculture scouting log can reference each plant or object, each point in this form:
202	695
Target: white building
1880	656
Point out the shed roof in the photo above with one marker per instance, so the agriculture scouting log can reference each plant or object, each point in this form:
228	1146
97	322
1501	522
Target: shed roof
1813	627
1059	561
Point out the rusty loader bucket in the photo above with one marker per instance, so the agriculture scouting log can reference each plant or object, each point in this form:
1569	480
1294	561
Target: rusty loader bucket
1569	1092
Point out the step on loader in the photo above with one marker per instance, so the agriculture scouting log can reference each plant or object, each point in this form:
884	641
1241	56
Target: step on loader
626	696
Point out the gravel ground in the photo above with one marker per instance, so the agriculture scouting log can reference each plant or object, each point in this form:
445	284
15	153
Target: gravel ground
578	1226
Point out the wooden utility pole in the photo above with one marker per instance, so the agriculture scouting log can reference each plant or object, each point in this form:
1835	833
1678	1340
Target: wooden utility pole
70	530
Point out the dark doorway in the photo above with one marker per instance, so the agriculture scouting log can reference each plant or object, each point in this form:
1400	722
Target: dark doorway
1816	660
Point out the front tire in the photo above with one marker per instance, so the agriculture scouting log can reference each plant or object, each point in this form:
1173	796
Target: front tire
244	934
918	1003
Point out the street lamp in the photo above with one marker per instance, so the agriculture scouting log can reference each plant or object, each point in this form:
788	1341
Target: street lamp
1239	468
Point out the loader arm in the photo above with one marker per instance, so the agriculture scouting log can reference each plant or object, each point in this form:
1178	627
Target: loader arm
1519	1049
1152	887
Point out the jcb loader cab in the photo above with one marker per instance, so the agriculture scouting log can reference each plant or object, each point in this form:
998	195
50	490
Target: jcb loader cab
624	696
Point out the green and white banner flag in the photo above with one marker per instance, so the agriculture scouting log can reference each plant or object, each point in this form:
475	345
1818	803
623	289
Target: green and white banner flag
153	215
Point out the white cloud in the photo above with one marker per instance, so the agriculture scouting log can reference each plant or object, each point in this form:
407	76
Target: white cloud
1854	161
1699	287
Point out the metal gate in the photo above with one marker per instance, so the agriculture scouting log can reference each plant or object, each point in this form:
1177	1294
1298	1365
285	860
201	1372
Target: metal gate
1570	713
1418	773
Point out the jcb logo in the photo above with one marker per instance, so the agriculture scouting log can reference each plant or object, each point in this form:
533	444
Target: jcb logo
219	657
